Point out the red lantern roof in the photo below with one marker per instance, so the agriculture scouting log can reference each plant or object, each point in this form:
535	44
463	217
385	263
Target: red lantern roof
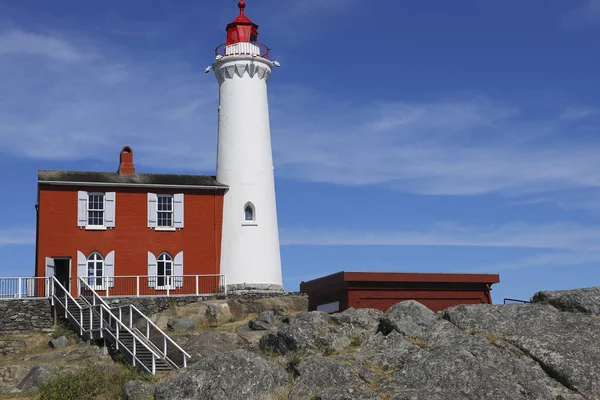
241	29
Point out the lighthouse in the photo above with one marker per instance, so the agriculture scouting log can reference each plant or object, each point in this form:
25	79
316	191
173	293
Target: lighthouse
250	256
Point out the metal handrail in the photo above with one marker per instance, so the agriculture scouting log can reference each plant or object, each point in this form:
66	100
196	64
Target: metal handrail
135	283
66	304
11	287
104	307
516	301
221	50
149	324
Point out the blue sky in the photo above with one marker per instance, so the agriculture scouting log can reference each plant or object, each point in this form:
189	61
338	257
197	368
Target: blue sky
408	136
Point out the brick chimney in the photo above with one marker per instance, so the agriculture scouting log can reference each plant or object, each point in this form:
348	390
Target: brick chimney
126	163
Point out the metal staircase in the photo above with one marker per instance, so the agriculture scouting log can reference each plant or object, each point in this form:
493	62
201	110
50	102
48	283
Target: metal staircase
90	316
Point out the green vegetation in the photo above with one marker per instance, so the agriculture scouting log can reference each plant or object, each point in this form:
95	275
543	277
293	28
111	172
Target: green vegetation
356	340
489	336
94	381
417	342
62	329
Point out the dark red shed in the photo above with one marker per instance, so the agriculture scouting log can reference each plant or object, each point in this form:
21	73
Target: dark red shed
381	290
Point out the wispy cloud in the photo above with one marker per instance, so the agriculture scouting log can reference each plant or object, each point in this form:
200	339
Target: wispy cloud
557	236
17	236
452	147
24	43
550	259
555	245
585	14
578	113
76	100
88	107
569	200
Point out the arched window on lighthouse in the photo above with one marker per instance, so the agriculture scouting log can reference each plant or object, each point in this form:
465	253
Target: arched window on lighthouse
249	213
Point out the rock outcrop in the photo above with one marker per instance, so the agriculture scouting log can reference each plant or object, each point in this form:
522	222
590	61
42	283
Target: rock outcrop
565	345
232	375
580	300
529	352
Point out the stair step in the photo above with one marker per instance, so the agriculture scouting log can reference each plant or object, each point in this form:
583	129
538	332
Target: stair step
92	323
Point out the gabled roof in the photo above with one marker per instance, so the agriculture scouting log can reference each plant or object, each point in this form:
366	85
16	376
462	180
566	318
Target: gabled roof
59	177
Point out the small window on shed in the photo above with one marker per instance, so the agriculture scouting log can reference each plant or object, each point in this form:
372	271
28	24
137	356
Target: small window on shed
249	214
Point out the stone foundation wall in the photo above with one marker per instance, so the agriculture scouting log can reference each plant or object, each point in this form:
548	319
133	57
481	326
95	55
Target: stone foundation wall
153	305
36	315
25	315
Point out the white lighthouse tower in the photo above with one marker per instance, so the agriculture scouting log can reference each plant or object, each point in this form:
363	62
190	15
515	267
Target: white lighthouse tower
250	256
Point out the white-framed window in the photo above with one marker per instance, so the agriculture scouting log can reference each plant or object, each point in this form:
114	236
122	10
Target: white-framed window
164	271
95	270
164	214
95	209
165	211
249	213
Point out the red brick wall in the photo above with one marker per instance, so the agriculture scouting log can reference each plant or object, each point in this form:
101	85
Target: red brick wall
436	300
131	239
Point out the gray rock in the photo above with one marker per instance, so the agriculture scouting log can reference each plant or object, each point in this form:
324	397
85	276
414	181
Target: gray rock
427	357
138	390
343	393
268	316
565	345
585	300
408	317
35	377
507	361
319	373
257	325
212	315
59	342
359	318
386	353
208	344
456	370
181	324
242	307
11	347
321	331
425	394
233	375
308	330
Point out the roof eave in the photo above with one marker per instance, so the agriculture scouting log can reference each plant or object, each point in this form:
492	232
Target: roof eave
128	184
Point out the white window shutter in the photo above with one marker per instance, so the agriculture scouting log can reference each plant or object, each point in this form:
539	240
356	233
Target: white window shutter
178	269
109	215
81	265
178	210
109	268
82	198
152	270
152	209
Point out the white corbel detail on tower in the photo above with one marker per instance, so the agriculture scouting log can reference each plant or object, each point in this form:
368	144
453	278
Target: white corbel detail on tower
231	70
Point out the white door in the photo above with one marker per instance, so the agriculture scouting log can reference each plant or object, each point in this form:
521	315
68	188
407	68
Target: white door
49	274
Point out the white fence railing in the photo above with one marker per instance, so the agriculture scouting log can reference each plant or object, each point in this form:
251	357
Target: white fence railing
12	288
157	286
24	288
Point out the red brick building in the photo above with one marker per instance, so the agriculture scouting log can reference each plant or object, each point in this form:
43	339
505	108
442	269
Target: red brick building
106	226
343	290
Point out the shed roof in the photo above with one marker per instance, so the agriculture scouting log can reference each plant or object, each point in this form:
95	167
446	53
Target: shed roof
114	179
339	279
